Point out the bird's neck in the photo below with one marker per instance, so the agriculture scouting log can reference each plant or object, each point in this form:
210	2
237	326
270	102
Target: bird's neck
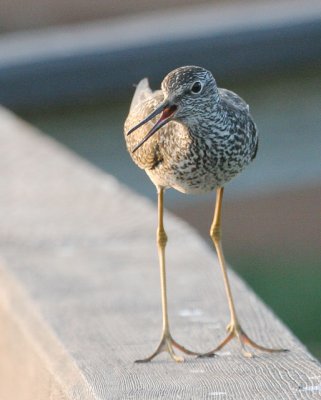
213	119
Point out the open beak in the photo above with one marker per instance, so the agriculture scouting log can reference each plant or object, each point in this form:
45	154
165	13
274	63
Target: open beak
167	111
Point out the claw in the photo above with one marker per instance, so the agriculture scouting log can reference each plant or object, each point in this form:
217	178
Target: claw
235	331
167	344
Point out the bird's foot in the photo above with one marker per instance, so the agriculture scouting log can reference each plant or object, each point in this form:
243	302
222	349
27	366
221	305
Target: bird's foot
235	330
167	344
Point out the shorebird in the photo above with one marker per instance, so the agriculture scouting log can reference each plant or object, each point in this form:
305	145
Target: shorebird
204	137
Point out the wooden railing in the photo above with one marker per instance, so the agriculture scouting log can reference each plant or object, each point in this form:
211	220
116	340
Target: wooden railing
79	293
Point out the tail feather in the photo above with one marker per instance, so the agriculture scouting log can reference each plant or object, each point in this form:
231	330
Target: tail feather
142	92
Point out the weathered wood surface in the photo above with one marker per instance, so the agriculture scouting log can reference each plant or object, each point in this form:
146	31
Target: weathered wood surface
79	293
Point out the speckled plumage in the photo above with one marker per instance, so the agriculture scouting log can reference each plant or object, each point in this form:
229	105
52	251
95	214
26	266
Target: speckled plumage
210	138
203	137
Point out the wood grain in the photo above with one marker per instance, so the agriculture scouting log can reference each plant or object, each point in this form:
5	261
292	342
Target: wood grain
79	292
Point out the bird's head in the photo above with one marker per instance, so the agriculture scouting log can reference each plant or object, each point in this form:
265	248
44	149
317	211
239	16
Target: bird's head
190	93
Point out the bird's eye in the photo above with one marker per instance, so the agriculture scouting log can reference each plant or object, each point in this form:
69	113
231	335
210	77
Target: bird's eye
197	87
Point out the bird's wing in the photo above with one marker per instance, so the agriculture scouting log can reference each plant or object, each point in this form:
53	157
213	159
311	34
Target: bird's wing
233	100
142	92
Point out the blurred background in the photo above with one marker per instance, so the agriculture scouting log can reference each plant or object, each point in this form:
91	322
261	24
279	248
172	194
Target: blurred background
69	68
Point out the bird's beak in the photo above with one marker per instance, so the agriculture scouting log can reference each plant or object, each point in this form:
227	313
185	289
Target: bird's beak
167	111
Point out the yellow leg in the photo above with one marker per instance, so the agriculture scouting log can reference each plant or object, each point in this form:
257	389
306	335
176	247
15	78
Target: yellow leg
234	328
167	343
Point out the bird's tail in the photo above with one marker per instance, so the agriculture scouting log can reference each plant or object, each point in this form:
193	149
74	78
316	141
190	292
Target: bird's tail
142	92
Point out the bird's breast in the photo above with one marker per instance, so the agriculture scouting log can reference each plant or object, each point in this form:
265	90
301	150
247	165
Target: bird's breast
191	161
199	164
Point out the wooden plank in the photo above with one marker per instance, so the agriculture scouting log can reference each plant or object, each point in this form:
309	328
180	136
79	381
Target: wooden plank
30	354
80	290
